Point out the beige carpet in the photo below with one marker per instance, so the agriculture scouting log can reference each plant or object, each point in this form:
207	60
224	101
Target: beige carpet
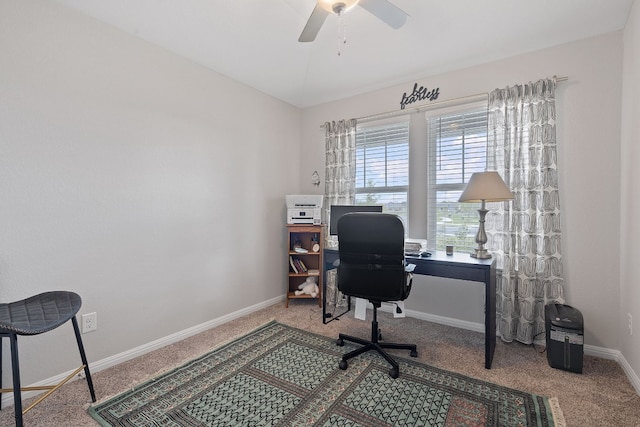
601	396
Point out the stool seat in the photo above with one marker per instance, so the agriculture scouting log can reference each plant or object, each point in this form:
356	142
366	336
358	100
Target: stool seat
39	313
32	316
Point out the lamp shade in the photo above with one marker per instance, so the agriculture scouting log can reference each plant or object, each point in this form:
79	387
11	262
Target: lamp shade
486	186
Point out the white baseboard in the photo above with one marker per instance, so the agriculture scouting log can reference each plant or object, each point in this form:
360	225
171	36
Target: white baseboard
616	355
590	350
631	374
170	339
7	399
448	321
178	336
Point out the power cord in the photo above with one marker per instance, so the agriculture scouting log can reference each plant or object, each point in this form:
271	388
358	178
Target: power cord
533	343
398	309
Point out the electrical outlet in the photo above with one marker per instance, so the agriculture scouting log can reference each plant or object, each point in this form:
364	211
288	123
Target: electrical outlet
89	322
630	326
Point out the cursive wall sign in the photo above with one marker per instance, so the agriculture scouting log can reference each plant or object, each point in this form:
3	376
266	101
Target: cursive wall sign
419	94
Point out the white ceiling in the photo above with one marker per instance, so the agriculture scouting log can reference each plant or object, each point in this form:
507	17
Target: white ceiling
256	41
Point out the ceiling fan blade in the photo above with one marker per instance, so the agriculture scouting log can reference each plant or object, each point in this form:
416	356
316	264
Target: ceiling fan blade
314	24
386	12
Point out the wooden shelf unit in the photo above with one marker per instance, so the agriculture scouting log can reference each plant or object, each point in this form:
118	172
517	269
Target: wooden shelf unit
306	236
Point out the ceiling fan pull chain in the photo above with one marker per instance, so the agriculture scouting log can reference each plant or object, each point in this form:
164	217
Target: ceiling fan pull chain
340	36
342	32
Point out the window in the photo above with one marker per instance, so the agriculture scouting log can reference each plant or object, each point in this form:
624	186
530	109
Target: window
382	166
452	143
457	142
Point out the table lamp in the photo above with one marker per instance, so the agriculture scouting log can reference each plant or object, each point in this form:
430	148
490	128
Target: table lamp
484	187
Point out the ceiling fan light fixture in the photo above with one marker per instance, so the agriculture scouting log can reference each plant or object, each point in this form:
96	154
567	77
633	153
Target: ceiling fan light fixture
337	6
382	9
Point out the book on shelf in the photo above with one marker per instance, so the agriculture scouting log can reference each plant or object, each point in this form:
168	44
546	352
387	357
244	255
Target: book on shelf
293	265
302	268
297	265
313	272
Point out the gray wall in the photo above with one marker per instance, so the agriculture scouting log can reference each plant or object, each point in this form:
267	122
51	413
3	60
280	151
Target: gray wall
151	186
139	180
630	191
588	132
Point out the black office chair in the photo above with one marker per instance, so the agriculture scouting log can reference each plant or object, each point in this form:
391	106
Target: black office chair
372	266
32	316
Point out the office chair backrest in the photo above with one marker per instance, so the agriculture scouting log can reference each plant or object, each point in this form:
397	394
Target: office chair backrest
371	247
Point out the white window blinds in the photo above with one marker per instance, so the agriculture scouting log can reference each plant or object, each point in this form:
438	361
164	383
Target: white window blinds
382	165
457	143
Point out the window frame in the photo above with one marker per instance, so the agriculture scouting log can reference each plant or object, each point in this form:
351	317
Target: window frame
433	188
386	189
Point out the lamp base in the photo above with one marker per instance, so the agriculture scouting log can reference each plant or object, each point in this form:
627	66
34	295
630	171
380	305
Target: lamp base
481	254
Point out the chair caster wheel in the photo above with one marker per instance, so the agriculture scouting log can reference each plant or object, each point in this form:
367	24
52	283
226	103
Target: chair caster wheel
340	342
343	365
394	373
414	353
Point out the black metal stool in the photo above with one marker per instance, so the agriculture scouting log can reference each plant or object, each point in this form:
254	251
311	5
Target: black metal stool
33	316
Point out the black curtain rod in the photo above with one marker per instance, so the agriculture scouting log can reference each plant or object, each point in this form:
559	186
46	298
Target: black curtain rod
432	105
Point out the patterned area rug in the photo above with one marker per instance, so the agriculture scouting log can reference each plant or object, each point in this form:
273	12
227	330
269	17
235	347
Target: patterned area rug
283	376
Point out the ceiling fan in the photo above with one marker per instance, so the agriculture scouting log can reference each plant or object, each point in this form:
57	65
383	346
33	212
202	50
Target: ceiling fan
382	9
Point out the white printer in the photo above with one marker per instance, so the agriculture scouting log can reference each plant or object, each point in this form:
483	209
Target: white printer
304	209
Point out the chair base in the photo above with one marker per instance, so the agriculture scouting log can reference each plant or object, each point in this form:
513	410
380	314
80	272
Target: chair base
376	345
17	388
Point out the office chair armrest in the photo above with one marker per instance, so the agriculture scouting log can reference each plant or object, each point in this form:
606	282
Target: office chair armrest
408	269
408	284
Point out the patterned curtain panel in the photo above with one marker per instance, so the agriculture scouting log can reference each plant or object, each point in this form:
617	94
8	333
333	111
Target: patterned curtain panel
340	184
525	234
